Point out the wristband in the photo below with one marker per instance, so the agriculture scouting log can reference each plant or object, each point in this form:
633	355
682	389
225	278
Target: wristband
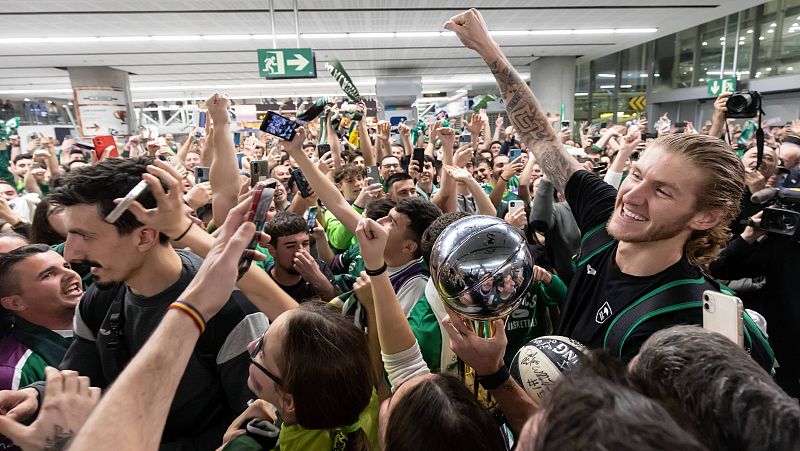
192	312
376	272
505	180
184	232
495	380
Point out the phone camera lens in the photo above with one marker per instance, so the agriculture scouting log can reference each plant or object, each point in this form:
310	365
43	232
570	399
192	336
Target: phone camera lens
706	306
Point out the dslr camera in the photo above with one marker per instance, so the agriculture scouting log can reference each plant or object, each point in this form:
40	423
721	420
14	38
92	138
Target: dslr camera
743	104
782	215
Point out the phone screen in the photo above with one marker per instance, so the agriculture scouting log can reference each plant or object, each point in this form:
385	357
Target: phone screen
202	119
201	174
259	171
312	219
322	149
419	155
280	126
259	207
302	183
373	173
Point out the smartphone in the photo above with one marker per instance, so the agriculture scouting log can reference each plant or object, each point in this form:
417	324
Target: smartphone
564	124
259	171
633	128
514	153
599	167
302	183
201	174
465	138
126	202
280	126
514	205
374	173
312	219
722	313
202	119
101	143
162	141
259	207
419	156
322	149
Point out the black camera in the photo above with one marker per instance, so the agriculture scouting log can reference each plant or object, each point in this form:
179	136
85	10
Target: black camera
743	104
782	216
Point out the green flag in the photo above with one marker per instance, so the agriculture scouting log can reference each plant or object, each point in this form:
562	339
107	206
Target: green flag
344	80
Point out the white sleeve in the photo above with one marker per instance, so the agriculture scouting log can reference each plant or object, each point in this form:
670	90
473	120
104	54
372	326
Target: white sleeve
404	365
613	178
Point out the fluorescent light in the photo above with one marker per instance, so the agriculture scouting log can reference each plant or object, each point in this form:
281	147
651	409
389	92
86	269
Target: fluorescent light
635	30
642	75
771	30
625	86
123	38
226	37
704	43
581	94
749	31
603	31
418	34
790	68
370	35
193	37
607	87
550	32
773	25
323	35
26	99
607	76
510	33
36	91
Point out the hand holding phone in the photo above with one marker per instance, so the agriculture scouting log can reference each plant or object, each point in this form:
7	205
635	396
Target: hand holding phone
126	202
280	126
259	207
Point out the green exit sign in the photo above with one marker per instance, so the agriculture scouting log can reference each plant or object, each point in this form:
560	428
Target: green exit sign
720	85
286	63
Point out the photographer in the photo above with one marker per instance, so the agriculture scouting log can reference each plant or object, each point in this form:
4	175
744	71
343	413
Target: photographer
776	257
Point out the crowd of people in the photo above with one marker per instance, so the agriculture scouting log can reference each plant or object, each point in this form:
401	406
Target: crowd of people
143	332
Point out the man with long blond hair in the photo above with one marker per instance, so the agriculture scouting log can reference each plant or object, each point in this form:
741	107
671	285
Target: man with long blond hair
639	266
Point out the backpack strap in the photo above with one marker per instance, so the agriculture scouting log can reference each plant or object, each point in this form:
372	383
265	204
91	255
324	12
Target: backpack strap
593	242
674	296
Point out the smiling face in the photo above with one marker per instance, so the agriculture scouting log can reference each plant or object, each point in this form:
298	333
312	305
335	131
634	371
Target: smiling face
48	288
657	199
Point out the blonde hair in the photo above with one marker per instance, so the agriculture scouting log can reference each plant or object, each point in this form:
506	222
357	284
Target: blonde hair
722	189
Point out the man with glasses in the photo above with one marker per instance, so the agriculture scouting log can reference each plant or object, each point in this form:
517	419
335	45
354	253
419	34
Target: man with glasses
389	165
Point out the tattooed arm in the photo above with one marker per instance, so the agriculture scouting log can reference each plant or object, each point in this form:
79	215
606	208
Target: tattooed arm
523	109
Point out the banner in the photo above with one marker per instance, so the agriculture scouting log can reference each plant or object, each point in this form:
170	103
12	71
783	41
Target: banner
344	80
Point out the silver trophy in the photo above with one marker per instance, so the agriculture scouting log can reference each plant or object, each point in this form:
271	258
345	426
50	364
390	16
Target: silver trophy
482	268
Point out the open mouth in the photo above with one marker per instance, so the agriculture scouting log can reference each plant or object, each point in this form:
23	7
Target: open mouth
627	214
74	289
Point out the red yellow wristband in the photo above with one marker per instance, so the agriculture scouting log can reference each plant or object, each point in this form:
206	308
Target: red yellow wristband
192	312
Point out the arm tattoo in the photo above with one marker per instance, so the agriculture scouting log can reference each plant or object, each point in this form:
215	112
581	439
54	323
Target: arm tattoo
527	117
59	440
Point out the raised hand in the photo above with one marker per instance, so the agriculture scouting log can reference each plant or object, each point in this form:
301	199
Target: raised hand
447	136
217	106
68	401
384	130
475	125
372	239
171	215
518	219
499	121
512	168
471	30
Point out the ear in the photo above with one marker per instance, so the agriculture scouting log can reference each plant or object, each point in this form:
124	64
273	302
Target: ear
410	246
146	239
706	219
288	405
13	303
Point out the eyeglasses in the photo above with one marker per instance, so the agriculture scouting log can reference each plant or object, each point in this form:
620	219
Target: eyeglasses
256	350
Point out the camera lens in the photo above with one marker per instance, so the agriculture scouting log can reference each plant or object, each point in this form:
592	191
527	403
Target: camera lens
706	306
739	102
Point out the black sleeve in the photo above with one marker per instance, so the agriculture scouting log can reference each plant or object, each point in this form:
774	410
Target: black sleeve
590	199
82	356
738	260
543	214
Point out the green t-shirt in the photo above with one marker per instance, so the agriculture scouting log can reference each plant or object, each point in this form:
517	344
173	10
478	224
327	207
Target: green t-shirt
266	263
351	262
296	437
528	321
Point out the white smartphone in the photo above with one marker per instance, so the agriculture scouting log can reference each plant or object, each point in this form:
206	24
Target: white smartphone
126	202
722	313
514	205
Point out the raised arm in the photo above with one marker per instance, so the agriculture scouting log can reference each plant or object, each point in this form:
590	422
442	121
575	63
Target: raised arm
187	144
322	185
224	172
718	119
523	109
364	143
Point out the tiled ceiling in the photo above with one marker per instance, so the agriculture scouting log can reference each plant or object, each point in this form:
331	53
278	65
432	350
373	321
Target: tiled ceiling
37	68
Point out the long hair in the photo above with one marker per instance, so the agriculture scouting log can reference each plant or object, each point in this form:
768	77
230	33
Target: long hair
41	230
326	368
722	189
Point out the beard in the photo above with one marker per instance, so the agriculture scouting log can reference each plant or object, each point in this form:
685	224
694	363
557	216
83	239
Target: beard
103	284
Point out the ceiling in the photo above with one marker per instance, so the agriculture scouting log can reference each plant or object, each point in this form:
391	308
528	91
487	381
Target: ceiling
192	68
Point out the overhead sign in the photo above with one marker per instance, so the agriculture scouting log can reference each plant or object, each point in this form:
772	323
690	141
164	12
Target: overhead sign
637	103
720	85
286	63
100	110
